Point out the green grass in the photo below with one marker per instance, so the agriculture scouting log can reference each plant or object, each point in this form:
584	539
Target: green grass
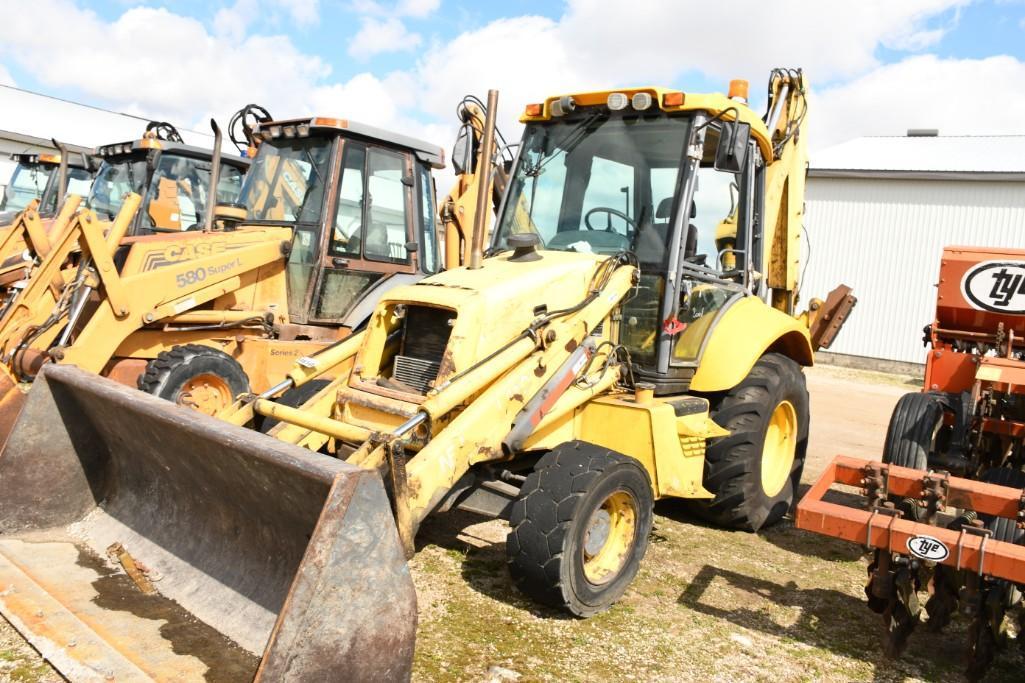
707	605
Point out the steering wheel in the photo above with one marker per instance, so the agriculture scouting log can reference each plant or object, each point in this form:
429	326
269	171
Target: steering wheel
612	212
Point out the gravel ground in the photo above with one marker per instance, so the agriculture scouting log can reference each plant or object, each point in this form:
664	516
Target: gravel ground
707	604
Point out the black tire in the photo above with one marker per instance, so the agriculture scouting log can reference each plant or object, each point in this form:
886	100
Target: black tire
168	375
911	434
293	398
560	502
1004	529
733	464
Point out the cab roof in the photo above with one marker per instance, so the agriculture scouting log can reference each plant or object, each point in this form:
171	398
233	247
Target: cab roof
424	151
76	159
168	147
713	103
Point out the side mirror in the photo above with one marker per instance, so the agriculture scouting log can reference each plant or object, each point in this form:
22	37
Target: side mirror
732	150
462	150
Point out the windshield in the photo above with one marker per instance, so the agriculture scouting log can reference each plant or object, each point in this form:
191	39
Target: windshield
114	180
27	183
598	184
286	180
177	198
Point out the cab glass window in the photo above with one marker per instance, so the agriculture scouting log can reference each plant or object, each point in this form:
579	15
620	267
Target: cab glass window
114	181
712	227
347	237
428	228
79	182
27	183
373	206
286	180
177	195
386	227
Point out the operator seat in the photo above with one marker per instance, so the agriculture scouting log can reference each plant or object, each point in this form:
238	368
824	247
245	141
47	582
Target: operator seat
690	245
652	238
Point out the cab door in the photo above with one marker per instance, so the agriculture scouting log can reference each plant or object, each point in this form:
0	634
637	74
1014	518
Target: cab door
370	232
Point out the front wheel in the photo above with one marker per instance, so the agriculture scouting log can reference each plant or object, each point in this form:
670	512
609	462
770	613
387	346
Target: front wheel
580	528
754	472
196	377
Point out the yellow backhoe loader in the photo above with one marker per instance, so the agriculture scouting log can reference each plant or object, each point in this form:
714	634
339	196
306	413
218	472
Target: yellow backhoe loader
332	214
44	177
171	178
596	357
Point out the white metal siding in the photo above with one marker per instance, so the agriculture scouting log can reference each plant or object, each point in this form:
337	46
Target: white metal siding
885	237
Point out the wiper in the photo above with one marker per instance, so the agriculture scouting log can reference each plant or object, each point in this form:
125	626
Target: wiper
570	141
310	186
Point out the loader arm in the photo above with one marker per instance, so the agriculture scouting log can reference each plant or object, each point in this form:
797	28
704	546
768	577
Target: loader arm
162	290
29	232
39	300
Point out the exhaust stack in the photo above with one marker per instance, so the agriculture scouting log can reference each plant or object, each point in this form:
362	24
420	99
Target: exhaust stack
215	178
62	171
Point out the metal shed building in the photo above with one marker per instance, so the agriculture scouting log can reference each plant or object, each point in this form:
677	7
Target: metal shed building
879	212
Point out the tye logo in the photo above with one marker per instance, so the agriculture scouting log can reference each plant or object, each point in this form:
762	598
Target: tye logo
1006	285
997	286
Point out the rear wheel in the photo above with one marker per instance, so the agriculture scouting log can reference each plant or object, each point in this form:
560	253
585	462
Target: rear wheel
754	472
195	376
580	528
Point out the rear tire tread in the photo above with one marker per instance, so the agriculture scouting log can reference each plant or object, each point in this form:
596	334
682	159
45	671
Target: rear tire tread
730	466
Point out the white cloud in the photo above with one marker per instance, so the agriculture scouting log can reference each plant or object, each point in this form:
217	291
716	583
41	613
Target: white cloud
922	92
417	8
5	76
523	57
659	40
403	8
186	73
303	12
233	21
378	36
181	72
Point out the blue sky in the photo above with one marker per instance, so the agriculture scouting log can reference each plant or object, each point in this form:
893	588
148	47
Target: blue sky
877	66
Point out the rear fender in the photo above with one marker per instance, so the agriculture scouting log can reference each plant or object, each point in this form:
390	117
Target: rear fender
745	332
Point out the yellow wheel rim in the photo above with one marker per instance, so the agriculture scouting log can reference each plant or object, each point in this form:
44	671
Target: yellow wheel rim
207	393
779	448
609	537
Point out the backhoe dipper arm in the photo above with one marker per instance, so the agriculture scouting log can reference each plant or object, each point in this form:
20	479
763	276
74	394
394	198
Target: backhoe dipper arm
458	209
784	185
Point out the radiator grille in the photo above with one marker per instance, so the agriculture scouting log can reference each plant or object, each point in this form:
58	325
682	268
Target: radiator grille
425	336
416	372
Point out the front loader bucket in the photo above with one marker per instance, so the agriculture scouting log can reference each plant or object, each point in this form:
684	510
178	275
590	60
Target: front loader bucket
139	541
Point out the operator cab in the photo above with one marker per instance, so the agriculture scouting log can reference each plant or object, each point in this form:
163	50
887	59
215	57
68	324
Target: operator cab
361	202
672	185
36	176
173	179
